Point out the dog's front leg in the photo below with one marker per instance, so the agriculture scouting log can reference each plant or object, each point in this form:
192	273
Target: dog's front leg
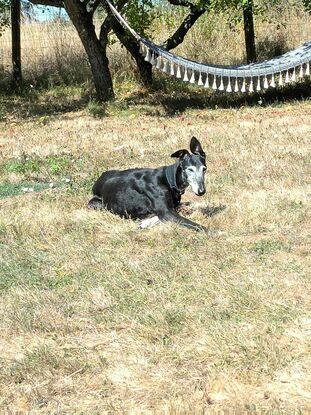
173	216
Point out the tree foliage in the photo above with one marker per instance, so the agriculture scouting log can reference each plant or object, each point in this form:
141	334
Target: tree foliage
5	5
140	14
307	5
4	14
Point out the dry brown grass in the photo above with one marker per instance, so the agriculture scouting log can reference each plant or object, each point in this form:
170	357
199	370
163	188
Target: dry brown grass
98	317
53	53
214	41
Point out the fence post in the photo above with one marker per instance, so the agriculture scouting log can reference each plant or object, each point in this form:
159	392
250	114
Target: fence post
16	43
249	32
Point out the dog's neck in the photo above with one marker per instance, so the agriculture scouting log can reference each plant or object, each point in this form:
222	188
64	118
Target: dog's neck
171	177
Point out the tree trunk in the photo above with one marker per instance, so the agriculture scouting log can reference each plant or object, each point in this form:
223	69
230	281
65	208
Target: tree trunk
131	44
82	21
144	68
16	43
178	37
249	32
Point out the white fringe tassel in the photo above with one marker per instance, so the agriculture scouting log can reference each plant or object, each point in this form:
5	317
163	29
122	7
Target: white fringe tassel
192	79
178	73
293	78
145	50
175	70
243	88
206	85
159	63
148	55
214	83
200	82
251	86
265	83
153	59
166	67
229	87
236	85
172	69
186	79
221	86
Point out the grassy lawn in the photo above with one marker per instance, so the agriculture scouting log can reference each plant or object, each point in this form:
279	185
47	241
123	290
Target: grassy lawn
99	317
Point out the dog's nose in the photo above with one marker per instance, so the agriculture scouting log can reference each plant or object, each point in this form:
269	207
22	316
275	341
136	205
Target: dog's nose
201	192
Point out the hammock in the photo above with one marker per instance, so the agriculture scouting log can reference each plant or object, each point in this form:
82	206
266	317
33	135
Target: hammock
289	67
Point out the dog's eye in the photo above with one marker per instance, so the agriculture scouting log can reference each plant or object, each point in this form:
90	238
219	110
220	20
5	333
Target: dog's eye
204	168
192	169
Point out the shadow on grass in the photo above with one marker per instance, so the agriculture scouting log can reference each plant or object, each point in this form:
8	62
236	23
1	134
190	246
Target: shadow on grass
8	190
37	102
175	97
168	97
211	211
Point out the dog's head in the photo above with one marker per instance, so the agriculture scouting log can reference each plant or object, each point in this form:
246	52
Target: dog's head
192	166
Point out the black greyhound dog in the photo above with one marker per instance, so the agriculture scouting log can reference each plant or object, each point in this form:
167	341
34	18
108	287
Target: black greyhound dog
153	193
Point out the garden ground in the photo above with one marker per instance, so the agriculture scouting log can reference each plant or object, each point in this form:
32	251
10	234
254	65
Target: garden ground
100	317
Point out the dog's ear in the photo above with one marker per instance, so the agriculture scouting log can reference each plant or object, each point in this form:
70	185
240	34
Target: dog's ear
195	147
180	153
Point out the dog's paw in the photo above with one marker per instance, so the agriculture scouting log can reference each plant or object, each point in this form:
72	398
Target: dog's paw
95	203
148	223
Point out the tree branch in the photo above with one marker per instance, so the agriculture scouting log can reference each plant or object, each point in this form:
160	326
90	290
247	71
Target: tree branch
110	20
60	3
127	40
195	12
112	23
96	4
51	3
183	3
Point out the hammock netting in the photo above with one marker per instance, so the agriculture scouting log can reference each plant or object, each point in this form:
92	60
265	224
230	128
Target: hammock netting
289	67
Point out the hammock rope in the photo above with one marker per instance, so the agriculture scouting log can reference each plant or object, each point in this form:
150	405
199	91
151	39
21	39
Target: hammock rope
289	67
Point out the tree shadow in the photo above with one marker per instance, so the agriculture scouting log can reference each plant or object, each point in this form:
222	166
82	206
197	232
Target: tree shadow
175	98
167	97
31	102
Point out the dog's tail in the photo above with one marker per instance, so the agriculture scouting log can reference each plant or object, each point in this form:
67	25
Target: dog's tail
95	203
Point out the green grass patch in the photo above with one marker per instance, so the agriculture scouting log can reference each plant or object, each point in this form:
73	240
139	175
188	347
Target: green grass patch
40	101
43	356
30	270
268	246
51	165
15	189
96	109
